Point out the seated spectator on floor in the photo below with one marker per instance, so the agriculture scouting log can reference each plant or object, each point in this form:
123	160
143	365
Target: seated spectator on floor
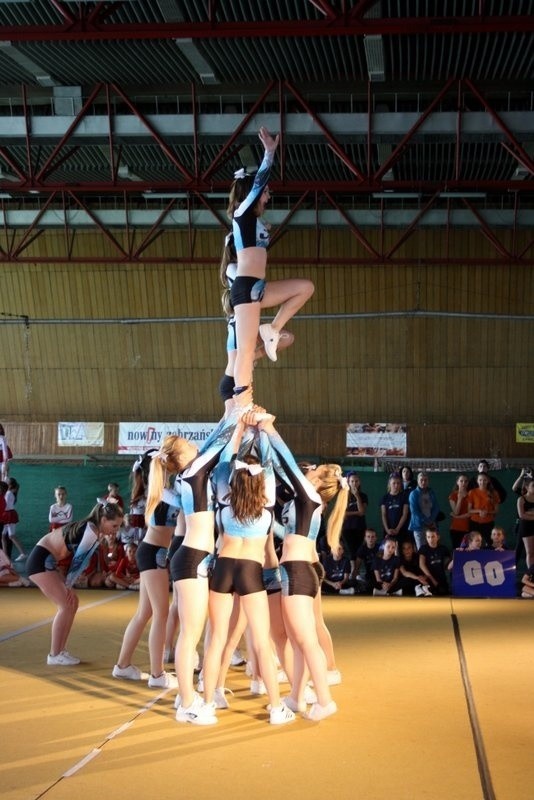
413	581
96	572
386	568
473	541
337	571
126	574
434	561
498	539
114	550
527	583
9	575
128	533
363	571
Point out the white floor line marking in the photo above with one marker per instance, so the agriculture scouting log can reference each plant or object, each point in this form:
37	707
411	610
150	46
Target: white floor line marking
11	635
142	710
82	763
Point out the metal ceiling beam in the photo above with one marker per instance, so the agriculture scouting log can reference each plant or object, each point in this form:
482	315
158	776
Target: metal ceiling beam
85	28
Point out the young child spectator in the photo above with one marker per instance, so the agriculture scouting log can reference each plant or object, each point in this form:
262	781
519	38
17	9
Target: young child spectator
126	575
112	495
386	568
129	534
8	574
365	559
114	550
433	561
337	571
413	580
498	539
473	541
10	518
60	512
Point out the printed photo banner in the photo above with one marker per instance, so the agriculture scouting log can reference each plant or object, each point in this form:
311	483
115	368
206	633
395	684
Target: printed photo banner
136	437
524	432
80	434
484	573
376	439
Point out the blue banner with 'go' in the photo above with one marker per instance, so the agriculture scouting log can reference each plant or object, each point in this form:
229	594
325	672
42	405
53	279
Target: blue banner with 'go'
484	573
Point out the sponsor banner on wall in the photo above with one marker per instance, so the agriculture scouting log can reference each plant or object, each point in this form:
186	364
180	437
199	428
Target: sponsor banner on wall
375	439
484	573
80	434
524	432
136	437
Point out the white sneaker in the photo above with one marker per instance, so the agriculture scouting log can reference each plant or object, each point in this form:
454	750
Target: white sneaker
198	713
22	557
419	590
281	714
299	708
200	682
317	712
309	695
350	590
257	687
63	659
281	676
163	681
237	659
248	669
333	677
219	697
427	592
270	339
129	673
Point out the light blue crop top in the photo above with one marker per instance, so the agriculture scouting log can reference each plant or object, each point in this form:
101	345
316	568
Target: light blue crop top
302	515
193	484
225	516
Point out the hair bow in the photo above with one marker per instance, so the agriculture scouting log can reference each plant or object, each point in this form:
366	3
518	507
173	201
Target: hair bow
137	464
158	454
240	173
252	469
343	482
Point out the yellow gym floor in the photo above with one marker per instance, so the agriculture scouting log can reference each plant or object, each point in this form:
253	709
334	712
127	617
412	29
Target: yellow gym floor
436	702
